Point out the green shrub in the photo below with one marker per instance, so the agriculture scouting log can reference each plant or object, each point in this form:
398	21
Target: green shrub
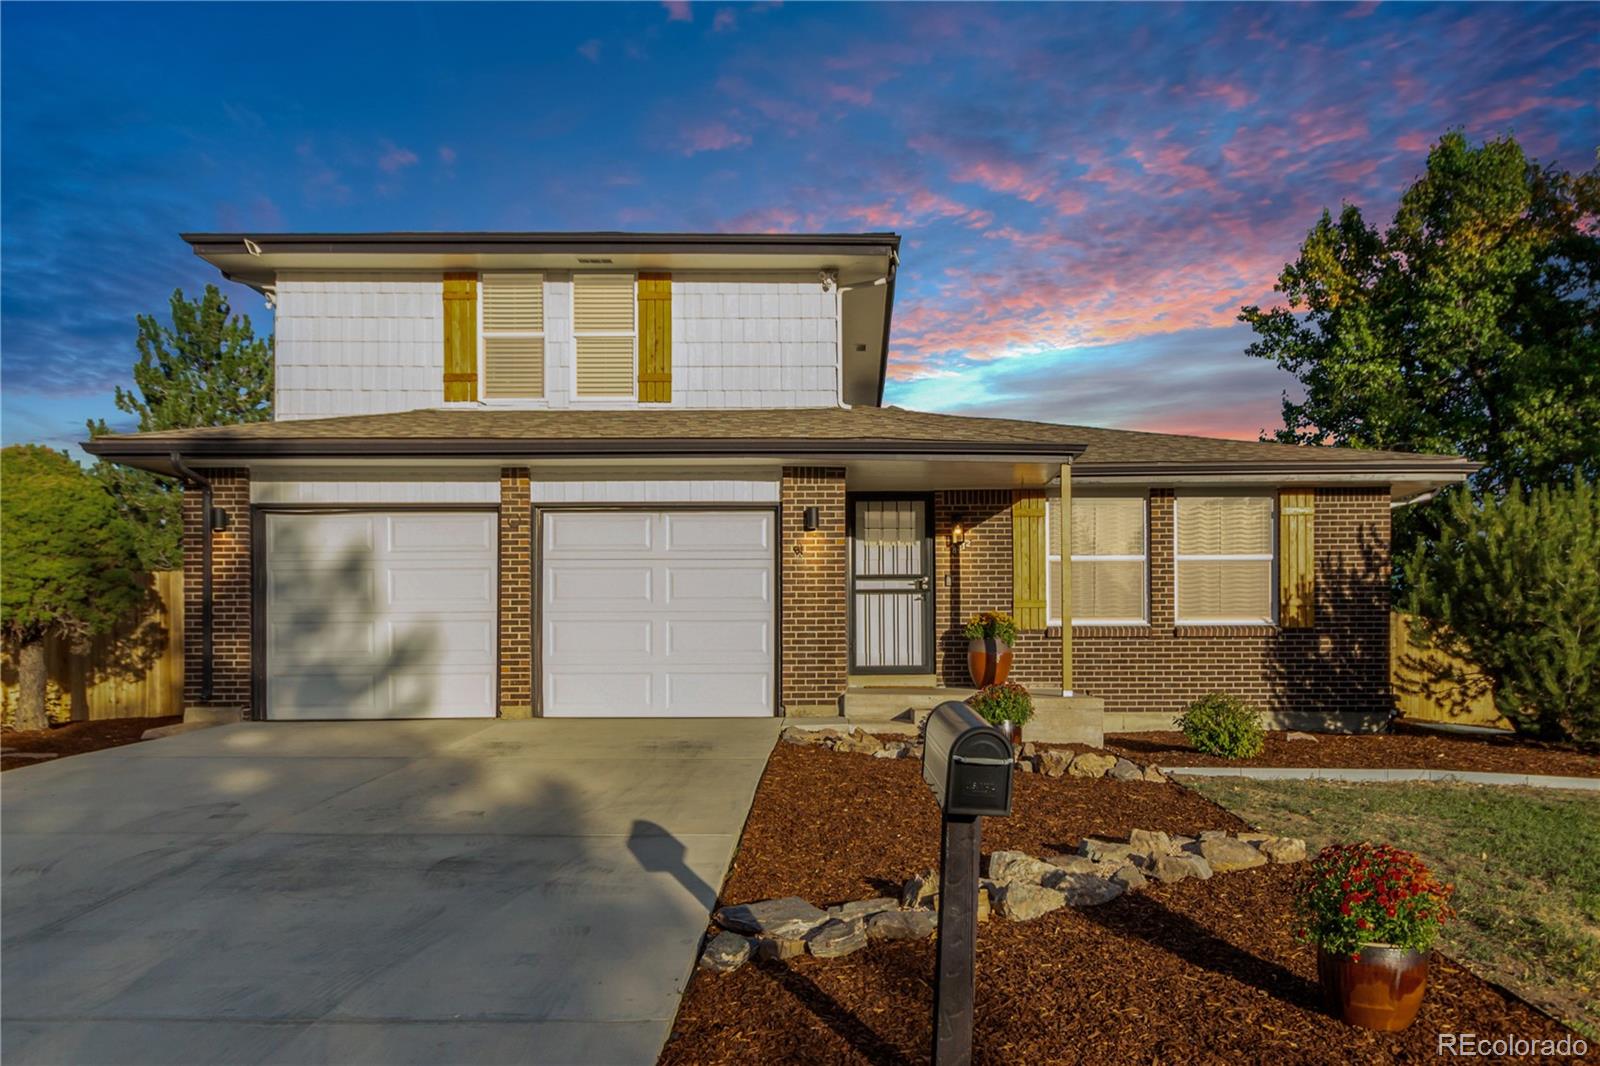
1224	725
1005	702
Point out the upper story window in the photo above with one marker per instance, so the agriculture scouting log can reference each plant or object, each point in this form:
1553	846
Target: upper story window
1109	560
512	332
605	333
1224	560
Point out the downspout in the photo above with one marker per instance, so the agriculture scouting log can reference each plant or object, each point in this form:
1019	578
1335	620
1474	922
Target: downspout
190	476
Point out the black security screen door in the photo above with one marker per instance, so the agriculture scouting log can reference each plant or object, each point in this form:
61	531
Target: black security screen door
891	580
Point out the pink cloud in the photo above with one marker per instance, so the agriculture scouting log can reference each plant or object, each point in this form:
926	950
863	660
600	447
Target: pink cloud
1414	142
590	49
447	155
1235	97
678	10
712	137
725	20
395	158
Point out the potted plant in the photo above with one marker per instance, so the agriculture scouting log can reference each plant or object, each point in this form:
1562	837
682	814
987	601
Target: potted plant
990	636
1373	911
1008	706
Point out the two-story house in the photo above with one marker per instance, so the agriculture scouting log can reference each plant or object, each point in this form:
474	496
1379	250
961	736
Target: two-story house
570	474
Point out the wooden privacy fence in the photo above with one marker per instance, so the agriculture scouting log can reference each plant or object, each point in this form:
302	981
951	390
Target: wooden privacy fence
1433	686
135	671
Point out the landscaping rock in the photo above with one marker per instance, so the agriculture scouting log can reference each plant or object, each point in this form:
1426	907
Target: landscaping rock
1214	834
1022	902
779	948
1225	855
787	917
1088	890
1091	764
1153	773
1129	877
920	891
795	735
1284	849
1029	749
895	750
1104	850
1168	868
837	937
1076	864
1124	770
1009	867
1300	736
863	908
726	953
1054	763
860	742
1024	766
1151	842
1256	839
984	906
902	925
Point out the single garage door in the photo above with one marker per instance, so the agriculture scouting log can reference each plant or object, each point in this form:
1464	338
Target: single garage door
663	613
380	614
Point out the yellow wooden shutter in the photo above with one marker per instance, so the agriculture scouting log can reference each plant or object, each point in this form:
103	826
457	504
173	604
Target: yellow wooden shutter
655	338
460	338
1028	559
1297	561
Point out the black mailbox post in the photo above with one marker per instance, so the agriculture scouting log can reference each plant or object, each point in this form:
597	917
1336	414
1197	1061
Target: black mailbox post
968	764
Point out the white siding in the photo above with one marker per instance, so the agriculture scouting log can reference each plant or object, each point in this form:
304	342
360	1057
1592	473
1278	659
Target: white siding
753	343
358	343
601	487
331	485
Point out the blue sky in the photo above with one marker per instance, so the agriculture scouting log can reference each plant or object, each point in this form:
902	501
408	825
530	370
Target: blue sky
1087	192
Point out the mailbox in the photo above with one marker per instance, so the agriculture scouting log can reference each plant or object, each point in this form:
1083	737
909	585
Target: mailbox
967	762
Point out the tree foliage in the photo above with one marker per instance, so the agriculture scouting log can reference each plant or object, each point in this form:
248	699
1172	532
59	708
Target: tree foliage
71	566
1513	584
204	368
1468	327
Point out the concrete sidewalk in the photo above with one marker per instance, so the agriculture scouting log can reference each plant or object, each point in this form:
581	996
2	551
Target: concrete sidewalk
368	892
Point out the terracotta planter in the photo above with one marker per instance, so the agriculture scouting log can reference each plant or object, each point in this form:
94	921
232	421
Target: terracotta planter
988	661
1381	988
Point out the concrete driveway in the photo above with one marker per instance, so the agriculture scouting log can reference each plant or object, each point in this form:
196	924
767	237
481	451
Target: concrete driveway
368	892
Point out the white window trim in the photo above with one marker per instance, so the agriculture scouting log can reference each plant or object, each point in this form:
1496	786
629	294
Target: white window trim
572	376
542	400
1053	565
1271	559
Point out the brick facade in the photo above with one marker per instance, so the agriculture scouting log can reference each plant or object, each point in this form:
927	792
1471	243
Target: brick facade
814	652
230	570
516	594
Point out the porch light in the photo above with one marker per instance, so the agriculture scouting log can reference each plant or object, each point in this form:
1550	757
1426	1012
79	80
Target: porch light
219	520
813	519
958	535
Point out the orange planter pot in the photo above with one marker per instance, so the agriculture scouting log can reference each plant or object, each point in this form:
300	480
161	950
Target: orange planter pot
988	661
1381	988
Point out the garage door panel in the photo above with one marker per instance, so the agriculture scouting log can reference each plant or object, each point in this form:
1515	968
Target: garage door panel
675	618
721	534
598	587
600	532
433	533
380	615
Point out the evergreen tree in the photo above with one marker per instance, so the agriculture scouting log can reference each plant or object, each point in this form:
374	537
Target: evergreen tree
205	368
1513	585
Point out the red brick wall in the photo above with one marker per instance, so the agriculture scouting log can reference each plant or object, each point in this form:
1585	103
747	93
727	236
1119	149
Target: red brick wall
516	594
1339	665
230	570
815	587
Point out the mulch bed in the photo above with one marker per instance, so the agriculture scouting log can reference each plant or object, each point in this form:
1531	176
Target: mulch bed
1197	971
1408	751
75	738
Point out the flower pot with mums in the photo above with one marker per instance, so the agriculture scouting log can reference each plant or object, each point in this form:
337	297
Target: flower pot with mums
1374	912
1007	706
990	638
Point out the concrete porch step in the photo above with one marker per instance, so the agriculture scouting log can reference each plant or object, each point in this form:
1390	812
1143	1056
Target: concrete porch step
1057	719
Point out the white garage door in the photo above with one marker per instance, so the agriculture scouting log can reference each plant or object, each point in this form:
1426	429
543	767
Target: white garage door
657	613
380	615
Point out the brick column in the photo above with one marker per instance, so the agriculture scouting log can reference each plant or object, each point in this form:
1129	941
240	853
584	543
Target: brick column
813	636
230	592
516	594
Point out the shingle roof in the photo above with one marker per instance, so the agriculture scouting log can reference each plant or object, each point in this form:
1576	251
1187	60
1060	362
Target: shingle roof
800	431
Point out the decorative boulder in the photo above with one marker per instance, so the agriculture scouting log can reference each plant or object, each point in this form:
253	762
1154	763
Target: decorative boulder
1129	878
862	908
921	891
1054	763
837	937
1022	902
787	917
777	949
1125	770
1168	868
1225	855
1076	864
903	925
860	742
1151	842
1007	867
1104	850
1087	890
1300	736
1091	764
726	953
1284	849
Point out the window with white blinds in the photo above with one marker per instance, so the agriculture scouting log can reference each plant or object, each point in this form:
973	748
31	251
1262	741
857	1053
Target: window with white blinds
1109	559
1223	559
603	328
512	335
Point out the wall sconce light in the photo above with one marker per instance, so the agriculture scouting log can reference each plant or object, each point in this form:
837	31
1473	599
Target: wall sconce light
219	519
813	519
958	535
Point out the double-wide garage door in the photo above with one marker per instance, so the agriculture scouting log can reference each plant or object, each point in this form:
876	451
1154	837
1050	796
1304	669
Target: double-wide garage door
661	613
642	613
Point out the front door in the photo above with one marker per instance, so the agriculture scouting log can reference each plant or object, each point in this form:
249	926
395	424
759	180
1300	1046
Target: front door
891	586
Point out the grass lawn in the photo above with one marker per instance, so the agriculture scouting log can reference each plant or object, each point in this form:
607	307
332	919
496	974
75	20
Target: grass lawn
1525	862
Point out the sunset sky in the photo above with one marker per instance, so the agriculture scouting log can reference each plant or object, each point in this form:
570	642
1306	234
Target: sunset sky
1087	193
